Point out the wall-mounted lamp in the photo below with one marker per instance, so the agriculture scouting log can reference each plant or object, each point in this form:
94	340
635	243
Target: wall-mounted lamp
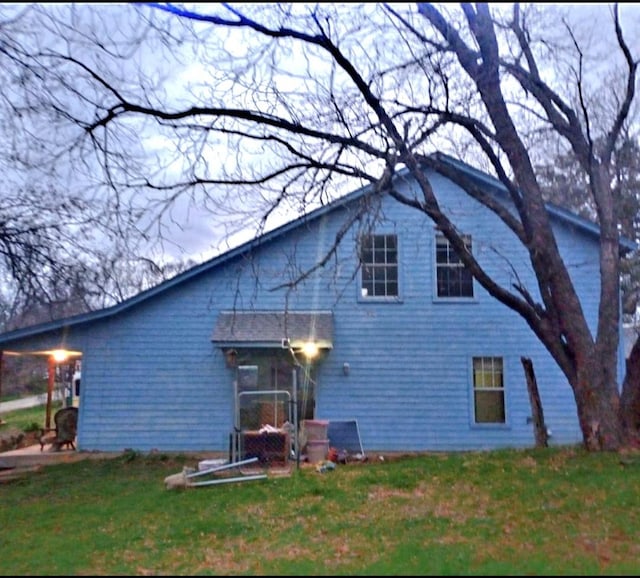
346	368
231	357
60	355
310	350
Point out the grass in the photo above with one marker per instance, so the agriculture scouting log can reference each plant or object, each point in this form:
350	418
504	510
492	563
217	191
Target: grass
10	396
27	419
558	511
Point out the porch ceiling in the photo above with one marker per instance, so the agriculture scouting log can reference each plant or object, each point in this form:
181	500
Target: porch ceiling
270	328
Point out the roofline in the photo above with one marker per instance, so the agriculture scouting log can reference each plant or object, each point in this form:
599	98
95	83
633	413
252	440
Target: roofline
265	238
266	344
185	276
556	210
272	311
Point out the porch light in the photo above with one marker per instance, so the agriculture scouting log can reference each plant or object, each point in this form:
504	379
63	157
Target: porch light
59	355
310	350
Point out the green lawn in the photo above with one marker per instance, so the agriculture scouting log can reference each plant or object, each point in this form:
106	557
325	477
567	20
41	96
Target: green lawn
538	512
28	419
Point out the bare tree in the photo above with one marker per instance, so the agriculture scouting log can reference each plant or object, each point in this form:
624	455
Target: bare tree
82	288
57	229
564	182
311	99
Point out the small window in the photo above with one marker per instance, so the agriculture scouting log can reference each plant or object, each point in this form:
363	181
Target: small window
488	390
379	265
453	279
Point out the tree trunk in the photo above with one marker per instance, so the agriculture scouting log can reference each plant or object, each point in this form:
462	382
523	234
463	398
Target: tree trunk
598	403
539	427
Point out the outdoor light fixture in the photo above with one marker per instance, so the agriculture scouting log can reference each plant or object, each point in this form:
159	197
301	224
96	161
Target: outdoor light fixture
231	357
59	355
310	350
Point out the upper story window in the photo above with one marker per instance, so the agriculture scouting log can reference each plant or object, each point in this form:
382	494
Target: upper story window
379	266
488	390
453	279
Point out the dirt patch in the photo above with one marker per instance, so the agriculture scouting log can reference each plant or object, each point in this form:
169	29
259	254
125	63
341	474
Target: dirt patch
15	439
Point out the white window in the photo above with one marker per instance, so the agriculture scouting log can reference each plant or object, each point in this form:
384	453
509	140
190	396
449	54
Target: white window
488	390
379	266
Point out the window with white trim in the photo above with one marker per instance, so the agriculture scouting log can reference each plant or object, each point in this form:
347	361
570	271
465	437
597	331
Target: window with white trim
453	279
379	266
488	390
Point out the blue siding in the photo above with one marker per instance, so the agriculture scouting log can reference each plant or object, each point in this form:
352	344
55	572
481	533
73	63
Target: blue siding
410	384
152	379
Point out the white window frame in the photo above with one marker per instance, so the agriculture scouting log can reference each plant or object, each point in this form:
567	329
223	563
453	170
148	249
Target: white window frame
382	266
493	367
454	266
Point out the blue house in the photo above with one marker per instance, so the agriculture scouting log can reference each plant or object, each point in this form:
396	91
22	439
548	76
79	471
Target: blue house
390	332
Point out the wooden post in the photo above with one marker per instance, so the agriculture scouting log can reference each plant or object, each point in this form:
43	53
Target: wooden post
539	428
50	384
1	372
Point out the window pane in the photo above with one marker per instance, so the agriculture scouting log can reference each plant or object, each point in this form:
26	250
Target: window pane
442	251
379	289
442	282
466	284
379	256
392	274
489	407
453	257
392	256
487	371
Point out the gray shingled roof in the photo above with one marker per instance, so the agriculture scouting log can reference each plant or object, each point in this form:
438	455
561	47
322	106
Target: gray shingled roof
269	328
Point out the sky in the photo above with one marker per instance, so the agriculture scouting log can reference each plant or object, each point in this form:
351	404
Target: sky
192	231
197	228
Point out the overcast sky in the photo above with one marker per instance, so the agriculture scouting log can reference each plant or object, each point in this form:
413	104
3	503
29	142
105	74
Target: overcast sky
197	229
192	231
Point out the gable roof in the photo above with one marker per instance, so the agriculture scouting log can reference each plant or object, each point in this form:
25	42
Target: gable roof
482	178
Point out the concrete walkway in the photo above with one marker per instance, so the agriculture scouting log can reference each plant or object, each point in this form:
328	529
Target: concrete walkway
25	402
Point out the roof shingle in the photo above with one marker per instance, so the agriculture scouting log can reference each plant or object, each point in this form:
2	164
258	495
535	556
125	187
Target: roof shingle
270	328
